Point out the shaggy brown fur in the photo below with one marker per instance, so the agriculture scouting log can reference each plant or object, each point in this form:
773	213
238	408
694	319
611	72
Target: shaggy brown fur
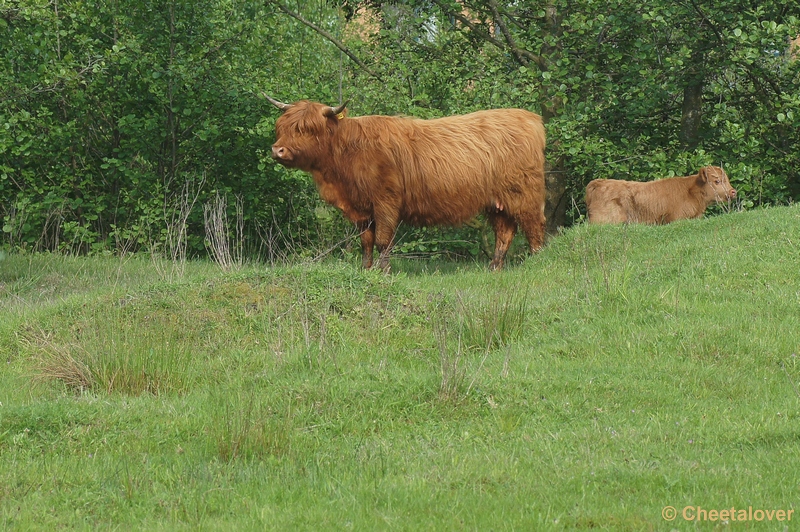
380	170
657	202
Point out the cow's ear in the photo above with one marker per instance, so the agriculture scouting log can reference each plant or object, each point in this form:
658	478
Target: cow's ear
338	116
702	178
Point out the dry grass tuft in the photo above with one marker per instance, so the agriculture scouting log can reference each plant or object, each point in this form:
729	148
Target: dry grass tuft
54	361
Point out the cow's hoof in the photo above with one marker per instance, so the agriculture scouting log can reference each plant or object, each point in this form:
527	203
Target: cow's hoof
496	265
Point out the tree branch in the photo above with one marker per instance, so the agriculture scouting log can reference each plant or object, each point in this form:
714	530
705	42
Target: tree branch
336	42
707	20
504	30
522	55
475	29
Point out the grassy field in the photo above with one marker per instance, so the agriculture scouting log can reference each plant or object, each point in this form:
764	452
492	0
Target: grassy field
620	371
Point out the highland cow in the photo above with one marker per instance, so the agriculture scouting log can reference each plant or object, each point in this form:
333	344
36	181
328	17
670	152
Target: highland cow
383	170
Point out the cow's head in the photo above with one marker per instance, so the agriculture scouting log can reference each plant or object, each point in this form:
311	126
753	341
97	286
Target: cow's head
303	133
714	182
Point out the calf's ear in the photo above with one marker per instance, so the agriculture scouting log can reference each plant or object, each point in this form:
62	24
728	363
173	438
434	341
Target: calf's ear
702	178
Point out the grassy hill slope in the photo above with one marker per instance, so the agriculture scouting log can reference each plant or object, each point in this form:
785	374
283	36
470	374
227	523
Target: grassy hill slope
621	370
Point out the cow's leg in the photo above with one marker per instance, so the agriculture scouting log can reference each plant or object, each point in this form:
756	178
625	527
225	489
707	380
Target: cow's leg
534	226
367	230
504	230
386	220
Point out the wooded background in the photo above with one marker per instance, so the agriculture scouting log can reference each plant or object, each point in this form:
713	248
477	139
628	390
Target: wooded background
125	124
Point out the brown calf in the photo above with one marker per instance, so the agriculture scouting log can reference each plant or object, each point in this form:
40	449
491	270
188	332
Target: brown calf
657	202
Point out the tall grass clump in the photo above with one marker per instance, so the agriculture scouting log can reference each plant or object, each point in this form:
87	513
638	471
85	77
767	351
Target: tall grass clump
475	327
140	343
244	425
131	362
490	322
451	360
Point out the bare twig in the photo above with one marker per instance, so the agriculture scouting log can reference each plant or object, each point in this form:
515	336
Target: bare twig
226	253
324	253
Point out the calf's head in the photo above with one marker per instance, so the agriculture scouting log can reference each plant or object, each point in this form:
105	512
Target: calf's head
715	185
303	133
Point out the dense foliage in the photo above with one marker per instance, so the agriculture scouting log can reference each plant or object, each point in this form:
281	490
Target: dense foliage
120	120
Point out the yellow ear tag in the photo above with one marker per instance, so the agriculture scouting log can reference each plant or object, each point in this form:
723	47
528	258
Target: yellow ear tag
340	116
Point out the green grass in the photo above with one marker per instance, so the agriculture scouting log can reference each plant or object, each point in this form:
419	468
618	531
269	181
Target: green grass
621	370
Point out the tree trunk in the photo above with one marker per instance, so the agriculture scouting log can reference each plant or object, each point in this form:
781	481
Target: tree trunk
691	114
555	174
555	209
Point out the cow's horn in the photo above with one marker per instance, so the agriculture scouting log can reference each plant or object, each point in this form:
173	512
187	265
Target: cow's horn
276	103
334	111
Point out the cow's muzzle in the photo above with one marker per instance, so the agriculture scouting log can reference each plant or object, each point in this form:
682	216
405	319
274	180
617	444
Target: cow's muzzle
280	153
